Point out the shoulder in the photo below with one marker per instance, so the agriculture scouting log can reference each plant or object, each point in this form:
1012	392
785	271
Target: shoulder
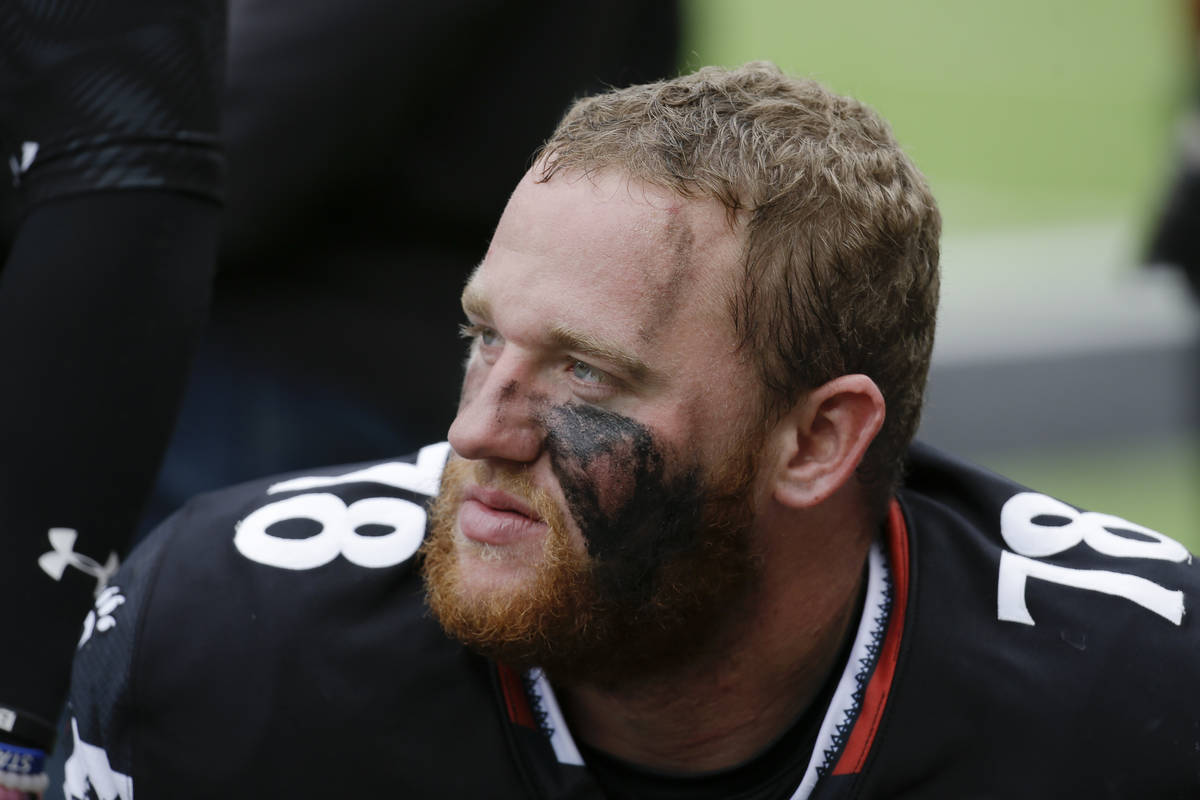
1026	542
272	640
322	528
370	515
1070	636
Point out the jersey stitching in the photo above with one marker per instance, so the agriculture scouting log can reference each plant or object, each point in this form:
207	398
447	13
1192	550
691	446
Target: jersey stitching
878	689
536	705
844	705
905	554
866	668
516	697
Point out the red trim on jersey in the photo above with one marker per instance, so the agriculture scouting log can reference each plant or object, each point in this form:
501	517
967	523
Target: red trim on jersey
515	699
862	736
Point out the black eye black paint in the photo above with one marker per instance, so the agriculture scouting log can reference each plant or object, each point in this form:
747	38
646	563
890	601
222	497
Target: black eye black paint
633	511
508	391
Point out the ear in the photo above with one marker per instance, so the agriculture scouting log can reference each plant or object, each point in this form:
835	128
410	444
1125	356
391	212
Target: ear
824	437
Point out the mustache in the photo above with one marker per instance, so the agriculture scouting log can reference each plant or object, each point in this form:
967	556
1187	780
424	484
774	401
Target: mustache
516	481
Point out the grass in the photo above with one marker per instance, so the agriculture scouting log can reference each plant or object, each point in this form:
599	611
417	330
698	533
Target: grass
1021	113
1153	483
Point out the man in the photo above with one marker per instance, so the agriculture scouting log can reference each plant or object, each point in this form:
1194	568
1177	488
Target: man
668	545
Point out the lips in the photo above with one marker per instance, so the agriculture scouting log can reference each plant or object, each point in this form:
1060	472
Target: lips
491	516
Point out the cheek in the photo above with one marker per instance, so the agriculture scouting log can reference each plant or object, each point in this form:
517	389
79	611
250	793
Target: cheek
611	475
610	469
716	421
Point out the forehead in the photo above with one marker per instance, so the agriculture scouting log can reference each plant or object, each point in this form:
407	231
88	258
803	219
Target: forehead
611	250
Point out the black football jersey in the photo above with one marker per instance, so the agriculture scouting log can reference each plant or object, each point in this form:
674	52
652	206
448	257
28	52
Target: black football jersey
100	96
271	640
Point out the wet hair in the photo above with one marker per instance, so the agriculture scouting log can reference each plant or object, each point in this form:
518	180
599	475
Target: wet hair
841	232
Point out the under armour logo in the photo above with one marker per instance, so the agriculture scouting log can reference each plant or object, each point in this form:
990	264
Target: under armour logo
55	563
100	618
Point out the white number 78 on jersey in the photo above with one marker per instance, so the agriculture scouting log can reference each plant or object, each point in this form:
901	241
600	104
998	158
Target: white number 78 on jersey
1031	539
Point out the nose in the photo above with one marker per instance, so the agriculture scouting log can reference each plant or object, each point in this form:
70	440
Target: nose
496	418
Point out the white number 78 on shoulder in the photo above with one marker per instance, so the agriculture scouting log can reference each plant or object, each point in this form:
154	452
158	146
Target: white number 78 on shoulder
1035	526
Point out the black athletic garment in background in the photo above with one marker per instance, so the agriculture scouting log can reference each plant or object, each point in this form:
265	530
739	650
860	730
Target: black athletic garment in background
108	129
372	147
1175	238
1175	231
262	644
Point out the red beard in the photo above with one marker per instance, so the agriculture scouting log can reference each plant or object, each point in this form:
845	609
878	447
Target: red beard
587	618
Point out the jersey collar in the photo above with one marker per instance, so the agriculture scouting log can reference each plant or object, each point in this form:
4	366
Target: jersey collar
550	760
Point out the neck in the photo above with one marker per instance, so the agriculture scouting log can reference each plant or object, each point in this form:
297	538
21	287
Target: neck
766	663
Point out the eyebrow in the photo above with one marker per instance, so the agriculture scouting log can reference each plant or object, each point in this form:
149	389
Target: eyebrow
591	347
476	304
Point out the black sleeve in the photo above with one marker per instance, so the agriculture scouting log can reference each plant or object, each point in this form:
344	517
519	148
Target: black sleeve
108	122
100	307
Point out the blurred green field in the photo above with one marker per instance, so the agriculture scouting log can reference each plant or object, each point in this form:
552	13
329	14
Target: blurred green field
1026	115
1021	113
1153	483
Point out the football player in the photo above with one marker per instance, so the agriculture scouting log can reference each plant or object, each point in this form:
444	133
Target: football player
679	543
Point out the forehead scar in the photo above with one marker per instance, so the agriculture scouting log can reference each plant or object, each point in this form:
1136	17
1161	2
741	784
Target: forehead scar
667	290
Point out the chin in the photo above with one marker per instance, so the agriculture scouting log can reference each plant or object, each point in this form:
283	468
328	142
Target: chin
487	570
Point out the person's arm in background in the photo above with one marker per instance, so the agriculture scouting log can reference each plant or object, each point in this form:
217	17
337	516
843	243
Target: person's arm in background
109	126
1175	233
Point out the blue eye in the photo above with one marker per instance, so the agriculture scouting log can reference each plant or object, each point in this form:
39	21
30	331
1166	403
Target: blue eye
587	373
486	336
